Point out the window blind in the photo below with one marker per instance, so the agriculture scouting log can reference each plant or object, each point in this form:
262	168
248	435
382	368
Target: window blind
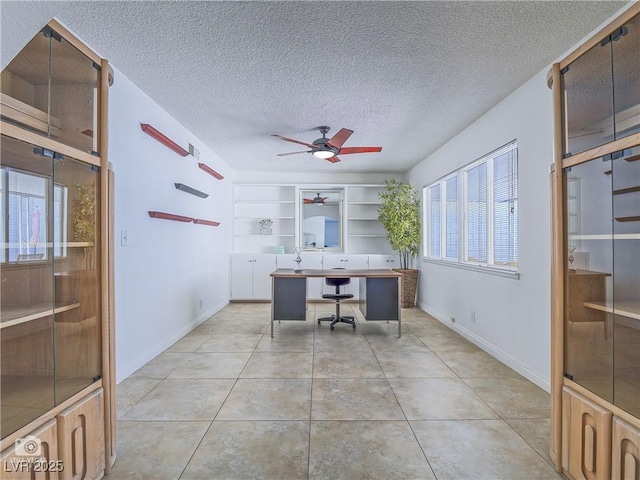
476	209
451	212
505	209
435	214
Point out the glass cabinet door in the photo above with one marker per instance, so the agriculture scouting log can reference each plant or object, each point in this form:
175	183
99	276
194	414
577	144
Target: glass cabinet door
50	329
76	277
27	387
626	281
588	101
74	81
25	88
626	71
51	89
589	287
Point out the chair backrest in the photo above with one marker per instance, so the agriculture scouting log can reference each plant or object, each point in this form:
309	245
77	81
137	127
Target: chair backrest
337	282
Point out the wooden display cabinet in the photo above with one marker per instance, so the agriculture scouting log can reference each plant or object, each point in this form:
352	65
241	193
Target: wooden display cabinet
57	313
595	342
626	450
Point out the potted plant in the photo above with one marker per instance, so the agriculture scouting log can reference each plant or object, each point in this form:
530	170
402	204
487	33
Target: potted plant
265	226
400	216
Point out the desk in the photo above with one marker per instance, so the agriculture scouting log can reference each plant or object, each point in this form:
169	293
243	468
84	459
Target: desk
379	293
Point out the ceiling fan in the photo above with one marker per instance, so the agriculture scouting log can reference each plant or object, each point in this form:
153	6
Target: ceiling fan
329	148
317	200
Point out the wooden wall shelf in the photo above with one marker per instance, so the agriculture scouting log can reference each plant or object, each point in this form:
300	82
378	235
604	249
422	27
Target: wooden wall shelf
210	171
200	221
163	139
170	216
181	218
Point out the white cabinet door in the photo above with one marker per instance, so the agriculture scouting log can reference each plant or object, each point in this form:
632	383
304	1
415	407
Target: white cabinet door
242	277
351	262
263	266
314	285
286	260
377	262
250	276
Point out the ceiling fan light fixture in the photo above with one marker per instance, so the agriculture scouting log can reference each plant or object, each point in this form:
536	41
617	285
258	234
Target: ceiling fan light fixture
323	154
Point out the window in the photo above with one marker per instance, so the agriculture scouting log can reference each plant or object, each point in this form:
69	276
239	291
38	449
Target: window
471	215
23	204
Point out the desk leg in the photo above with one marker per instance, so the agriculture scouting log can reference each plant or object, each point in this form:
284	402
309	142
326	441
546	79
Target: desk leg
399	309
273	302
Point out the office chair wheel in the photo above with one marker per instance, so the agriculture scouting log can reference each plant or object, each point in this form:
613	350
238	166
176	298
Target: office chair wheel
331	328
354	326
319	322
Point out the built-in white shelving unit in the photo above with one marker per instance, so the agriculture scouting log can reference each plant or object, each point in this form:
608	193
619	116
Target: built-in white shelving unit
363	233
255	202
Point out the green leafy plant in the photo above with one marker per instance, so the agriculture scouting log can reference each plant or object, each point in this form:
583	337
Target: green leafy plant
400	216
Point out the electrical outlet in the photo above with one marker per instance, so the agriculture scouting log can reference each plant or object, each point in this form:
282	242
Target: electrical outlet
123	238
473	316
453	319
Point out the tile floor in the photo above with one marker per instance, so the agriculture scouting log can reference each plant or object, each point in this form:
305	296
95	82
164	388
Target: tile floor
228	401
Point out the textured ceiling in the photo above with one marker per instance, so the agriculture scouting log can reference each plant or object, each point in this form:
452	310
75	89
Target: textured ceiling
406	76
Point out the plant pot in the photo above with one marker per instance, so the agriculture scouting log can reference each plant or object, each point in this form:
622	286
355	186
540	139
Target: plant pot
408	287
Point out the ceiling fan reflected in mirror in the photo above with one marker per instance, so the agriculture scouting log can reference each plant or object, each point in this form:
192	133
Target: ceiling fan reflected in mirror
317	200
329	148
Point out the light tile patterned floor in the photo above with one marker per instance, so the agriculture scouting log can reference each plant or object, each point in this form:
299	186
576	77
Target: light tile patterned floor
227	401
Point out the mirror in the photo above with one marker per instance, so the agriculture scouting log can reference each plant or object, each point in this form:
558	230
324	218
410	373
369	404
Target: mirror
321	215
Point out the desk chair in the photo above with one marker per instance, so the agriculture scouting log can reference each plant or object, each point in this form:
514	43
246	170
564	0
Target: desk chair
337	282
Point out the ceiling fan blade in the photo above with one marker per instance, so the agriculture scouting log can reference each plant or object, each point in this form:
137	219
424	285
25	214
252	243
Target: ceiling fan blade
348	150
308	200
310	145
292	153
333	159
339	138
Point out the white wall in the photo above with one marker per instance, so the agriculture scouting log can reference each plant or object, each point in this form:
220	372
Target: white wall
512	316
168	267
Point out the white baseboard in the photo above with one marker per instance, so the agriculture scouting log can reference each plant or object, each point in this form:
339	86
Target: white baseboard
124	371
492	350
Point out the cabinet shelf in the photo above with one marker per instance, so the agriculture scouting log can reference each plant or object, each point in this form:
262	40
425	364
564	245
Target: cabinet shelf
363	219
18	315
627	190
364	203
51	245
25	114
625	309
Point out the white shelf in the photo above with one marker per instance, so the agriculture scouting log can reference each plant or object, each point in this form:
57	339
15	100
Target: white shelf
260	218
364	203
616	236
266	236
367	235
363	219
263	202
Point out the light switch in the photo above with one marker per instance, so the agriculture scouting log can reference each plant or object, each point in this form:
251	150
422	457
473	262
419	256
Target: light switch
123	238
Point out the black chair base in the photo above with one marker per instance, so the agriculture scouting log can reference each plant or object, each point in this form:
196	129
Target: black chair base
333	319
